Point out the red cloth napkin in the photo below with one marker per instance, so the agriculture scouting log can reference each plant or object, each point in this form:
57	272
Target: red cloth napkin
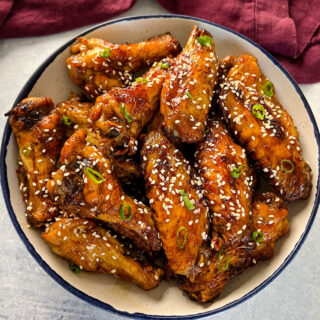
290	29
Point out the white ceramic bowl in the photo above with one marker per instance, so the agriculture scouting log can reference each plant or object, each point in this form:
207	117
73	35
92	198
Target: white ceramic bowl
52	80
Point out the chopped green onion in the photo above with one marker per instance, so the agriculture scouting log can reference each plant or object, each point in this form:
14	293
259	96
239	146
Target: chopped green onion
66	121
122	210
268	89
257	236
141	80
189	95
185	235
220	257
125	112
236	172
105	53
206	130
284	165
186	200
27	149
163	65
94	175
258	111
74	268
205	41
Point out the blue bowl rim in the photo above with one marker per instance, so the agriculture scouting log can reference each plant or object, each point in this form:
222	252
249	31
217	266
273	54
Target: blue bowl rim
6	192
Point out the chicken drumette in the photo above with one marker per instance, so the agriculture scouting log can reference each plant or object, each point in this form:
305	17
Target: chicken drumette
97	65
85	186
265	129
39	135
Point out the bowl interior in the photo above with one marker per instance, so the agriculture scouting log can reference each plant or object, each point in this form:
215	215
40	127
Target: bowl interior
167	299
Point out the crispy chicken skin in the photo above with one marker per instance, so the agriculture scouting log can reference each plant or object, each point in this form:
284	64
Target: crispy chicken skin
39	136
76	192
93	248
140	101
270	139
96	65
166	174
188	89
229	197
269	217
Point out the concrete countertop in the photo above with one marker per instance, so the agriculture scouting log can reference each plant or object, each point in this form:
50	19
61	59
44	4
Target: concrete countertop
28	292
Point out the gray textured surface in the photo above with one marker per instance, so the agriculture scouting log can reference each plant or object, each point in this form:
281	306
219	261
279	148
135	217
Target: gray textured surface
27	292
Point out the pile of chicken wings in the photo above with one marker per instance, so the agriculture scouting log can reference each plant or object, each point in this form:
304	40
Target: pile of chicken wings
151	172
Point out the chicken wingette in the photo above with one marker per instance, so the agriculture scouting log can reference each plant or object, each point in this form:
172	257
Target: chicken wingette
188	88
39	135
269	222
94	249
97	65
228	183
120	115
174	193
264	128
85	186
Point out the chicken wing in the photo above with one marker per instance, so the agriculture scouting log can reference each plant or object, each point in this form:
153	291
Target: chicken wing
39	136
121	114
85	186
228	182
174	193
269	219
93	249
188	88
97	65
248	103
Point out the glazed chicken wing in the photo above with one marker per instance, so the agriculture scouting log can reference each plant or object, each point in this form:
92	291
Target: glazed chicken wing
97	65
248	103
85	186
93	248
188	88
180	211
121	114
228	182
39	136
269	222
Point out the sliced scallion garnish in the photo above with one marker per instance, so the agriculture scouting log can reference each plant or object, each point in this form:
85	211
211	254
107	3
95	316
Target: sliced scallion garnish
142	80
105	53
186	200
125	112
74	268
163	65
287	165
122	212
221	255
268	89
189	95
258	111
236	172
257	236
27	149
185	235
205	41
94	175
66	121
